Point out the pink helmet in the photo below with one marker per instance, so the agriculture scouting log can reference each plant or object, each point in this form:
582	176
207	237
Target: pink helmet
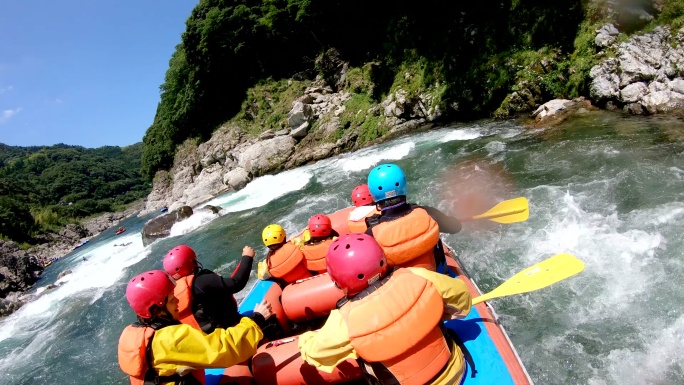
361	195
355	261
180	261
320	226
147	289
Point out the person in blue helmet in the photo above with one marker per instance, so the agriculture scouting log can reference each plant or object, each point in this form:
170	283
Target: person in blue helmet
408	233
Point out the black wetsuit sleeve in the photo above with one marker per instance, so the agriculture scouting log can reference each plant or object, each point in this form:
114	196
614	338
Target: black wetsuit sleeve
259	320
213	284
447	224
239	279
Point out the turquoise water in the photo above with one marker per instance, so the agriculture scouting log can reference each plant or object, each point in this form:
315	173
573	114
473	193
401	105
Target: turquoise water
604	187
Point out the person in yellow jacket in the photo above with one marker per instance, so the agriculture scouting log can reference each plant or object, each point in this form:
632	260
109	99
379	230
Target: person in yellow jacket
285	261
409	234
157	349
390	318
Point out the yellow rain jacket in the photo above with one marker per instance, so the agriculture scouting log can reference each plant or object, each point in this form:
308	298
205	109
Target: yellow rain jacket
179	349
331	345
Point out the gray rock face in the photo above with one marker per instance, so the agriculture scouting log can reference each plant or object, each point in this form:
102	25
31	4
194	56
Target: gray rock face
301	131
18	270
231	158
266	155
634	92
299	114
606	35
236	178
648	70
160	227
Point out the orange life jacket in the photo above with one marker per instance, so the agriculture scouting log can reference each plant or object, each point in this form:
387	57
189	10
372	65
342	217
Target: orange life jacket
288	263
315	255
409	241
183	292
133	351
358	225
396	324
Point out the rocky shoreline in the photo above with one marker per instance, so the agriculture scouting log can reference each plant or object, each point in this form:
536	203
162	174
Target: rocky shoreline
642	75
20	269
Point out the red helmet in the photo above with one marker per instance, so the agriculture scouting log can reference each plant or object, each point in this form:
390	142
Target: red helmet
147	289
361	195
320	226
180	261
355	261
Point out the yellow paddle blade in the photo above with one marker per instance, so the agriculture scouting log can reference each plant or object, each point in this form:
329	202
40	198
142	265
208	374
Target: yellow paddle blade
539	276
510	211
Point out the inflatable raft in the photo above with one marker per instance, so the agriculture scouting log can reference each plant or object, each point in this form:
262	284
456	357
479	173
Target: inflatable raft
488	352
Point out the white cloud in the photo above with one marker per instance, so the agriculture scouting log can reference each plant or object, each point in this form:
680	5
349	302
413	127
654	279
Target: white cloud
7	114
6	89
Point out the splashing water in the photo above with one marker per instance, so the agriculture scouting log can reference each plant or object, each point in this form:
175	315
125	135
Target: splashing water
603	187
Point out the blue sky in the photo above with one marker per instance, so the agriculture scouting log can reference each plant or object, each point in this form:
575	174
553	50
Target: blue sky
84	72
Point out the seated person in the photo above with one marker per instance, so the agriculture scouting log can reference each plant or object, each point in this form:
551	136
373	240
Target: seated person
205	298
408	234
285	261
159	350
390	318
315	247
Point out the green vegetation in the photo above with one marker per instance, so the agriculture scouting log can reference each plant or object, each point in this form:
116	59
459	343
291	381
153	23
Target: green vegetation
44	188
358	113
218	73
267	104
673	14
245	61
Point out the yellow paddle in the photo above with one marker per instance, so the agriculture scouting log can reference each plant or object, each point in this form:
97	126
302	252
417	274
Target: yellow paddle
510	211
539	276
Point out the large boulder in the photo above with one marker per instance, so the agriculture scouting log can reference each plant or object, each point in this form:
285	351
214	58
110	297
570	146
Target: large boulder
18	271
645	75
267	155
160	227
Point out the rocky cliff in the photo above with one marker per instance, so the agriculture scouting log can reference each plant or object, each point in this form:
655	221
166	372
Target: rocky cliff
639	73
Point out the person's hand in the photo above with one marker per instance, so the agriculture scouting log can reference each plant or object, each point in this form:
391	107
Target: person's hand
248	251
264	308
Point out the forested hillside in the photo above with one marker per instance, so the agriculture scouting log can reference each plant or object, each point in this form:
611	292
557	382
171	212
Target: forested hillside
43	188
471	50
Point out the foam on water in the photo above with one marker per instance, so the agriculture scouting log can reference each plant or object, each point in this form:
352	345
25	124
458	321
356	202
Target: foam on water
263	190
463	134
618	322
198	219
367	158
656	363
104	268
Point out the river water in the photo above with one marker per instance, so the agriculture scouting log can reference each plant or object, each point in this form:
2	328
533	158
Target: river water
605	187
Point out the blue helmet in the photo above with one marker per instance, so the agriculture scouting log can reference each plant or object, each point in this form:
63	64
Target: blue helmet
386	181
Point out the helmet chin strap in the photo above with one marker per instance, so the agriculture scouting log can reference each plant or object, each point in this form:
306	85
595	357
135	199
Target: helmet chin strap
393	206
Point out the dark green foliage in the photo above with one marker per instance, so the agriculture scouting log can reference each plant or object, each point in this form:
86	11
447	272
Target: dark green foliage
230	46
16	222
42	188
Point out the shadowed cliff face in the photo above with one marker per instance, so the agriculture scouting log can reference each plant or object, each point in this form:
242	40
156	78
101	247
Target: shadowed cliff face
18	271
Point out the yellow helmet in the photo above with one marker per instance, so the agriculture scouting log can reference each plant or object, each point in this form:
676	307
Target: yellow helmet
273	234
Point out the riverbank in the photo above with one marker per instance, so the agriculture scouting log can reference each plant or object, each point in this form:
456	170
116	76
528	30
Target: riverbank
329	119
21	268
